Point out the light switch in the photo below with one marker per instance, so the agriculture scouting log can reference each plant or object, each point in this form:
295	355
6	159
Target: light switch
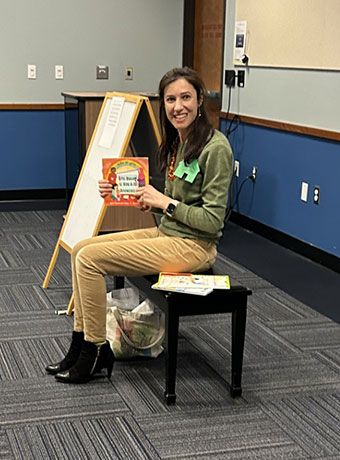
32	71
59	72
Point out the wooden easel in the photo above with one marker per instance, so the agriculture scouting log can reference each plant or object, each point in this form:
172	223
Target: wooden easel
111	137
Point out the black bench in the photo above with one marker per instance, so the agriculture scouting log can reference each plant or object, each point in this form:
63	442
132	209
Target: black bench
174	305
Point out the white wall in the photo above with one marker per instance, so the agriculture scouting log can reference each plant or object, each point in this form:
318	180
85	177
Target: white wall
302	97
81	34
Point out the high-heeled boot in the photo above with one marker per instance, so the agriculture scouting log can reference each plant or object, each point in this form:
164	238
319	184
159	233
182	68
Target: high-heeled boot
71	357
92	359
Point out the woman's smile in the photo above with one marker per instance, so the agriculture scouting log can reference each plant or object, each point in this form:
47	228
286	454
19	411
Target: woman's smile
181	105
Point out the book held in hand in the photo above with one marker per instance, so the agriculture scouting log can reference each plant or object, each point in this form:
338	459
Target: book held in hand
191	283
125	175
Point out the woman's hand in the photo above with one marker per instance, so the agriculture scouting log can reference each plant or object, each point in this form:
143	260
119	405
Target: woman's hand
104	187
149	197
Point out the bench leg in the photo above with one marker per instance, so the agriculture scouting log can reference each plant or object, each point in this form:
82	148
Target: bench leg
171	338
239	317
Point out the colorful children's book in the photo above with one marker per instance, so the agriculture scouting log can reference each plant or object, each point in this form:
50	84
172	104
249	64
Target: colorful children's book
125	175
191	283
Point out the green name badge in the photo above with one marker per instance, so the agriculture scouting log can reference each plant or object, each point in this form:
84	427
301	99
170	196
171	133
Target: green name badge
191	170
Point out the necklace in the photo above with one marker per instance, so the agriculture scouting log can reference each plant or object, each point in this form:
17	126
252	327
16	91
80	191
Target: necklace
171	170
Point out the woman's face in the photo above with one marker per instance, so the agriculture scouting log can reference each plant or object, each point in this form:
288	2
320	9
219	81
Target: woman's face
181	105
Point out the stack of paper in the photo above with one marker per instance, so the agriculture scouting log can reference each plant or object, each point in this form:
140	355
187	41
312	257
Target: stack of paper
191	283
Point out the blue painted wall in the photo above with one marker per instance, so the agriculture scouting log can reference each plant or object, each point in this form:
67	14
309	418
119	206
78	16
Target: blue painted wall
32	150
285	160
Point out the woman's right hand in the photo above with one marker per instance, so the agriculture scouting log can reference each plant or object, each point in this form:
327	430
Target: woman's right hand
104	187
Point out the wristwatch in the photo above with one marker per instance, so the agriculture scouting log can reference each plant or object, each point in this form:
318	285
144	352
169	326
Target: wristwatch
171	208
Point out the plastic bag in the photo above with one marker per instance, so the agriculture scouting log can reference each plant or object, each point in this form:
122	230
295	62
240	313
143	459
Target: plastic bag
136	333
125	299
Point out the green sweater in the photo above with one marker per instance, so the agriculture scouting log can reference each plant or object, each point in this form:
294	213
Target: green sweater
202	204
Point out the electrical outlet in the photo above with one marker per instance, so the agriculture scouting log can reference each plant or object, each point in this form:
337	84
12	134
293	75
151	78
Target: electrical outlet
237	168
254	173
316	197
128	73
240	78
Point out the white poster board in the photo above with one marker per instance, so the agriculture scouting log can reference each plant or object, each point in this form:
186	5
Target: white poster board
87	205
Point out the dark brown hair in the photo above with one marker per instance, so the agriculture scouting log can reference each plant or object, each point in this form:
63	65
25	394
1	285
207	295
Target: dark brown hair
202	129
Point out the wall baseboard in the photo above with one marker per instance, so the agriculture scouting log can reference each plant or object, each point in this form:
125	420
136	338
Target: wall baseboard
31	200
310	252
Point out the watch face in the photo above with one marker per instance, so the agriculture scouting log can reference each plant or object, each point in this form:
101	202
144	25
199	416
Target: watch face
170	209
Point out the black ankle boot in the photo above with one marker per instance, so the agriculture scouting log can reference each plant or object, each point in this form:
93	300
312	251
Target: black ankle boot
93	358
72	355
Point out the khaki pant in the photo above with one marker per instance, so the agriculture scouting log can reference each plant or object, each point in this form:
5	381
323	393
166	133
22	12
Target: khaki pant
136	252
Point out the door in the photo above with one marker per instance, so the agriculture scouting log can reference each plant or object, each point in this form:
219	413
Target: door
203	47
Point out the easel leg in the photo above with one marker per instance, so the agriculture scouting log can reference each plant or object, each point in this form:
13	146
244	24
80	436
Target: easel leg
51	266
70	306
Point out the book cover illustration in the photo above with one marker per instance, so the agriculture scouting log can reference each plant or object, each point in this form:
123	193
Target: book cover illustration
125	175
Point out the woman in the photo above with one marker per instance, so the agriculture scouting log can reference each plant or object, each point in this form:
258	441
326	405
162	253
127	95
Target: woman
197	161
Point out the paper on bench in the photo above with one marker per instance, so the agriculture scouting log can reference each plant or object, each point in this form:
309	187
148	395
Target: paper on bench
191	283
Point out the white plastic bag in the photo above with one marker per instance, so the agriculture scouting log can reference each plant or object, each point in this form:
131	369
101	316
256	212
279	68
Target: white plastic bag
125	299
136	333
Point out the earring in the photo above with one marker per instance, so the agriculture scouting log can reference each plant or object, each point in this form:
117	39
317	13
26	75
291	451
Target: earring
199	111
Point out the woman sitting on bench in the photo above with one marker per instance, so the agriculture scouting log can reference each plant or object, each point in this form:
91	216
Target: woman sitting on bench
197	161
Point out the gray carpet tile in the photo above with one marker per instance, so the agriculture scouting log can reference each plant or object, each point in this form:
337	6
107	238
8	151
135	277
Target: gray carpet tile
24	298
59	296
96	438
10	259
36	219
29	241
331	357
228	433
142	384
43	399
26	358
35	324
244	276
4	243
60	275
5	449
229	266
276	305
312	421
18	276
43	257
213	339
310	334
276	377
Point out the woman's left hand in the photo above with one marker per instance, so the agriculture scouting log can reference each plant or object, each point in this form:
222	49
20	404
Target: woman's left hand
149	197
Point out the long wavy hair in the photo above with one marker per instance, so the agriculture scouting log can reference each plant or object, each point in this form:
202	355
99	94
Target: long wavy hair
201	128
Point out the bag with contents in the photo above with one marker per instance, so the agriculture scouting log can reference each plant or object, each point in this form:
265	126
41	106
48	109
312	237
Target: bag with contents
126	298
135	333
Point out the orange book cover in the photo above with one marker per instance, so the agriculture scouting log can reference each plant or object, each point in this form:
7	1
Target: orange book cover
125	175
